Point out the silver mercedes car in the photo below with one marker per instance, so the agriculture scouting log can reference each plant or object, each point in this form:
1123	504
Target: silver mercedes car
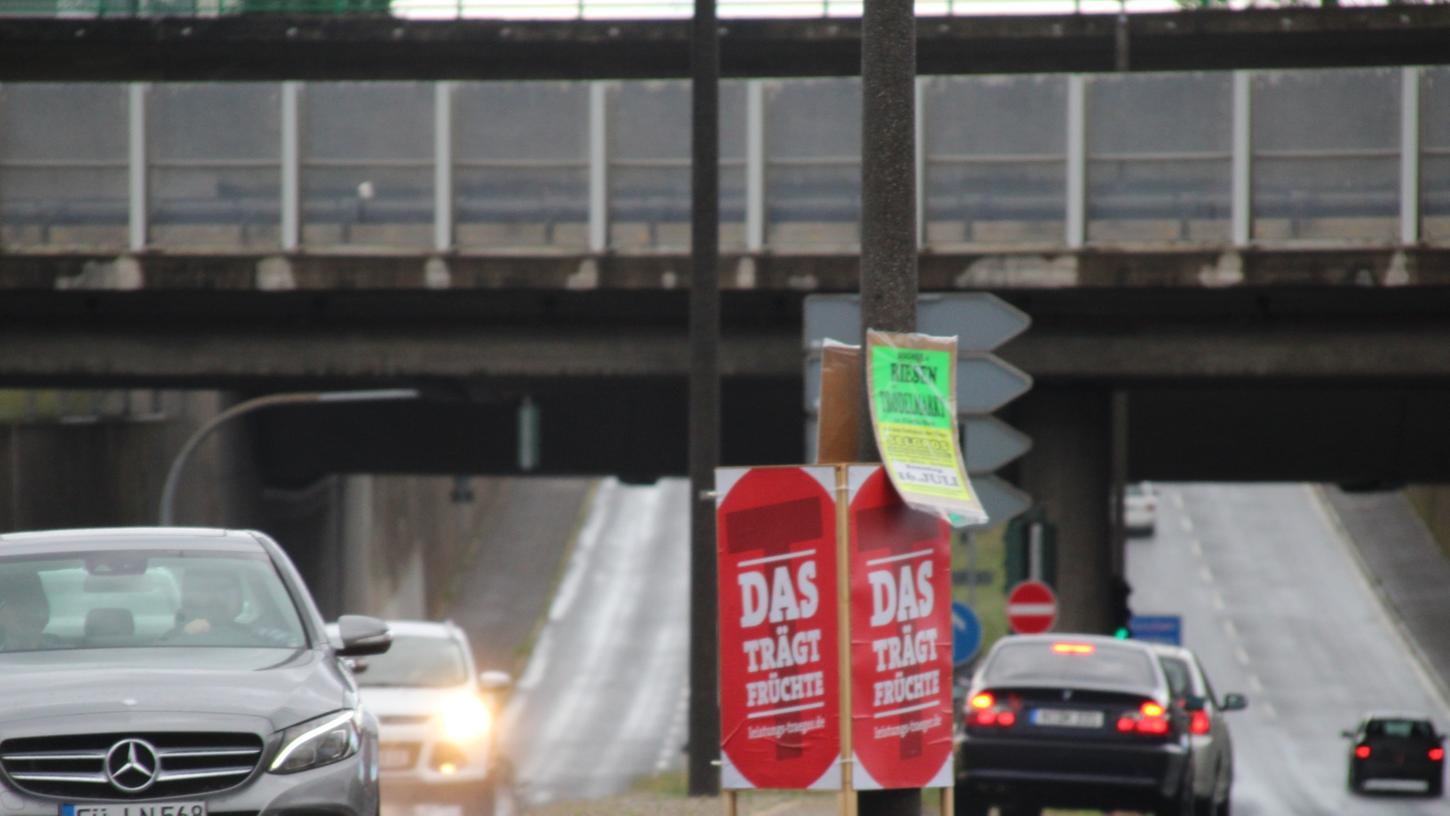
175	672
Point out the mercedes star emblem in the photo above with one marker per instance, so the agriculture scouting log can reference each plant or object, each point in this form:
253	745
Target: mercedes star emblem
132	765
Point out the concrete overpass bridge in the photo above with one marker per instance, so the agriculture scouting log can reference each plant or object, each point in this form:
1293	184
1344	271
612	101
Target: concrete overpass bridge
1234	275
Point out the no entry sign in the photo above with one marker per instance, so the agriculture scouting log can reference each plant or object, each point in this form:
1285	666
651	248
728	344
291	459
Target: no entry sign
1031	608
779	654
901	638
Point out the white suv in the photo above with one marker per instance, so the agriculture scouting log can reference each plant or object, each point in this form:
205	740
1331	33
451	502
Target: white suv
438	751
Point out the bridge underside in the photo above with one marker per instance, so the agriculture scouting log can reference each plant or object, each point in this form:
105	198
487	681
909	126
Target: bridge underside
1343	384
269	47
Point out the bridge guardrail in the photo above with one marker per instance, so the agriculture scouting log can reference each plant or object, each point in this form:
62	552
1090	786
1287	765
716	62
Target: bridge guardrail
599	9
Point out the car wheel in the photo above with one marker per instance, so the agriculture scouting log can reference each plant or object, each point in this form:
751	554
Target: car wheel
1356	784
1204	806
1223	808
1435	787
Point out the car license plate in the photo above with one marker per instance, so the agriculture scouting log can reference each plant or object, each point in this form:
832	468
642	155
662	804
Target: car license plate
1067	718
137	809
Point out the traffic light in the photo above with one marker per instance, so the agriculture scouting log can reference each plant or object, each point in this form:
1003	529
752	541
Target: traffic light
1121	613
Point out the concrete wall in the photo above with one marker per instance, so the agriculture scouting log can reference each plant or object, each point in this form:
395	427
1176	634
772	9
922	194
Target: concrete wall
1432	502
82	471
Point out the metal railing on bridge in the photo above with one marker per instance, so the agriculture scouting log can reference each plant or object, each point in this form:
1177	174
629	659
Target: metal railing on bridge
602	9
1214	159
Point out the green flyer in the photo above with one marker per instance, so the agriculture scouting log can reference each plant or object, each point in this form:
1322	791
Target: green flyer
912	382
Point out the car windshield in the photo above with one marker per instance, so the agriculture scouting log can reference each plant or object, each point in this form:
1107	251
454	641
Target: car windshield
145	598
427	662
1400	729
1044	662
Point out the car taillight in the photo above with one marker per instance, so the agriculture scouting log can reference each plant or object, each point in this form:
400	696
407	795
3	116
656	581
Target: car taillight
1437	754
985	711
1361	752
1150	720
1199	723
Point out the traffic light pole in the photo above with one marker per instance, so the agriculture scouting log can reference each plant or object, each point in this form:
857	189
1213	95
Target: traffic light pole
704	715
888	229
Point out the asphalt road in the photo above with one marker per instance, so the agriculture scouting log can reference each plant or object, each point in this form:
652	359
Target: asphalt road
1277	608
603	700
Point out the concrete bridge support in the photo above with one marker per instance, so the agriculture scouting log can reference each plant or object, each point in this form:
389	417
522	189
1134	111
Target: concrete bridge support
1069	473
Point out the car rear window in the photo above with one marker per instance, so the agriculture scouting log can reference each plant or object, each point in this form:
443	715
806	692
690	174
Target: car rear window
1403	729
1039	662
1176	671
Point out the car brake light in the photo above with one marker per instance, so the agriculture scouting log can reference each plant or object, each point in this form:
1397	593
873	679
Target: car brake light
986	712
1150	720
1199	723
1073	648
1361	752
1437	754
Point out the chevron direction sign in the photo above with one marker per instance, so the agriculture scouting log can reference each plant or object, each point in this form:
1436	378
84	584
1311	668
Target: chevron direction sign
985	383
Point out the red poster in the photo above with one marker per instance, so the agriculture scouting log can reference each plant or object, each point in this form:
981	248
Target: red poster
779	660
901	639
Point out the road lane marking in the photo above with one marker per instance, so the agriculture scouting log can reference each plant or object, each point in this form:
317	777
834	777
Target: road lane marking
1196	547
1255	684
1205	573
1241	656
1269	710
1177	499
1229	628
1186	523
1216	599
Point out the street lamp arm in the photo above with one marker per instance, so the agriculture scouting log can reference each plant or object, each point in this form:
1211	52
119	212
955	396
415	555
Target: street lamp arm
167	512
173	474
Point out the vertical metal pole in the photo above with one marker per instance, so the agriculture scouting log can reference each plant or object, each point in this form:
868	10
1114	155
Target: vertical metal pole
755	166
598	167
1118	472
1243	148
291	166
443	166
888	227
137	150
1409	156
704	778
920	181
1076	215
888	179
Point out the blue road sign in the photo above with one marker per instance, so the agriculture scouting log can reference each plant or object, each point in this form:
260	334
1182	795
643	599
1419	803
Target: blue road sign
1157	628
966	633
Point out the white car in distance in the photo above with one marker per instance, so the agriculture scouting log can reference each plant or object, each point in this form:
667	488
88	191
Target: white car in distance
438	751
1140	509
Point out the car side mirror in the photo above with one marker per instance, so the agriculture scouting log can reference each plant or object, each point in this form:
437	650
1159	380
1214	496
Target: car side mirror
1234	702
1349	735
495	682
362	635
1193	702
